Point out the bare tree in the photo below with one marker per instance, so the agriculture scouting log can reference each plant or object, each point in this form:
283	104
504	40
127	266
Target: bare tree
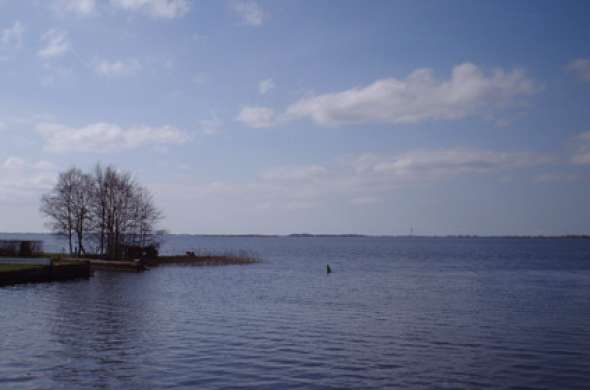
83	193
99	207
144	217
109	207
58	206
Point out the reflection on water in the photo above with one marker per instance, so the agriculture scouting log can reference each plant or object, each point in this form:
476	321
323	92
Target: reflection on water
394	313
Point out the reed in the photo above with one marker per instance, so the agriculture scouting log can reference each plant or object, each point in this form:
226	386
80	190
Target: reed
206	257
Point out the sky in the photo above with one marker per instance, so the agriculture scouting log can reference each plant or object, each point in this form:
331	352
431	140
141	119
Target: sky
275	117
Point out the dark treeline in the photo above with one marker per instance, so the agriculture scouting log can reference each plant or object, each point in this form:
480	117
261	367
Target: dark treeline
101	213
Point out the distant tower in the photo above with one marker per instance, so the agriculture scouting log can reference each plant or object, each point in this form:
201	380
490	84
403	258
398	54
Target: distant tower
412	231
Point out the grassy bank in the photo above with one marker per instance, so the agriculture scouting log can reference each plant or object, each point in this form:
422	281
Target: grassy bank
66	268
110	265
191	258
17	267
35	273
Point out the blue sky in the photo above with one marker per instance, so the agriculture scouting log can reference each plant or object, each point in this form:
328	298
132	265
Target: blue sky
247	116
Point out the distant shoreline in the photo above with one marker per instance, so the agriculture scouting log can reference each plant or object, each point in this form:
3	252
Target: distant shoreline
352	235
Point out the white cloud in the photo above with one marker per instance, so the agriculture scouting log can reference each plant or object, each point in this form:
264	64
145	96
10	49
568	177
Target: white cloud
117	68
257	117
24	119
249	12
12	37
56	74
419	97
200	78
360	180
106	137
318	193
438	163
168	9
365	179
364	200
581	67
211	126
55	43
199	37
19	177
265	86
294	173
556	177
582	149
81	7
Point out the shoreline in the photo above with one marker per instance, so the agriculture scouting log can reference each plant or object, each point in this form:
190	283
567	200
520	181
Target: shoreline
11	274
70	268
352	235
140	265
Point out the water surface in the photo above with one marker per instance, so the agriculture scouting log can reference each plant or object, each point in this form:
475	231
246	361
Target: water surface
395	313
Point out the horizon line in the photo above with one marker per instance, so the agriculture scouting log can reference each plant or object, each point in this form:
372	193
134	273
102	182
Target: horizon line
359	235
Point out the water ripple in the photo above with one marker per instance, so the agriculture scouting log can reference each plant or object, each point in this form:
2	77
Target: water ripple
392	315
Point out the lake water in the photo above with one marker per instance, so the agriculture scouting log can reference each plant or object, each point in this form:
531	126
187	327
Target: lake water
395	313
